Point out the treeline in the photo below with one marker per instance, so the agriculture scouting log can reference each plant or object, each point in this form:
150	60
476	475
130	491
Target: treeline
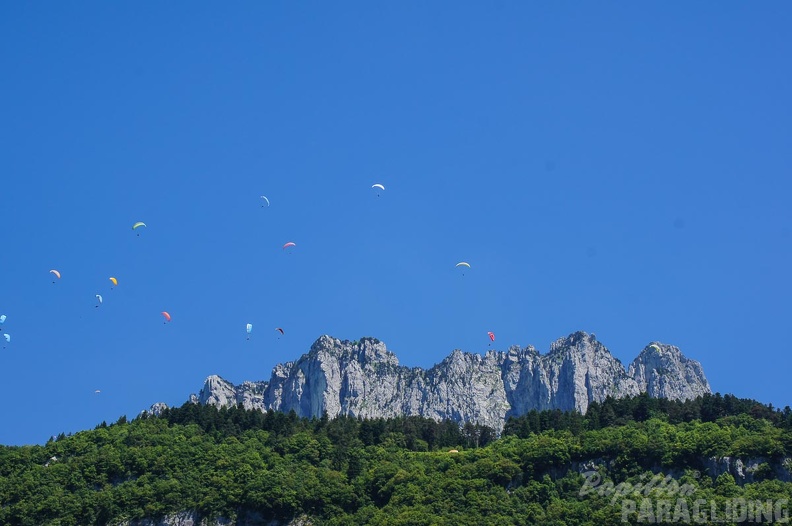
411	432
640	408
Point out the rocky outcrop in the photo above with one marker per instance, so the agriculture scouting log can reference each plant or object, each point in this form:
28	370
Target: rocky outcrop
364	379
157	409
664	372
748	470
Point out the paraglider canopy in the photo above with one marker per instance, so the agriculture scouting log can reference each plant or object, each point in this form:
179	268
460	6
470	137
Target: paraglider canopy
289	244
114	281
279	330
99	299
7	337
249	328
55	273
378	187
264	198
2	318
463	264
166	316
491	336
138	225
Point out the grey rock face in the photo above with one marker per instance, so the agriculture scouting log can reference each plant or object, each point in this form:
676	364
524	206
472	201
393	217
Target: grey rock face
746	471
364	379
664	372
157	409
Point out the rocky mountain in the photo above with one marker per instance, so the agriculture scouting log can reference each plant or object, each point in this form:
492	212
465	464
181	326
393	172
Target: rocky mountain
364	379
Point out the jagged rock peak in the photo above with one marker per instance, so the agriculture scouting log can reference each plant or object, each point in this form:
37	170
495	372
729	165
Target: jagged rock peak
365	350
664	372
580	342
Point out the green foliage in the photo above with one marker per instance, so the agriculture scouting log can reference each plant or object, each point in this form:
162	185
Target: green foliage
231	462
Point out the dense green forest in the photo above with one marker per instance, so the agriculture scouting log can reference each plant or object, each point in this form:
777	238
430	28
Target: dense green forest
401	471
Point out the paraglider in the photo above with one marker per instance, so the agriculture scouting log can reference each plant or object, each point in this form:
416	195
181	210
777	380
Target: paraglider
138	225
98	299
491	336
463	264
114	282
280	331
97	391
7	338
378	187
2	320
656	347
289	244
166	316
56	274
264	198
249	328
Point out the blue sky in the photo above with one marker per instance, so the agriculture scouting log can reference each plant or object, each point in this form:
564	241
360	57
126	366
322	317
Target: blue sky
619	168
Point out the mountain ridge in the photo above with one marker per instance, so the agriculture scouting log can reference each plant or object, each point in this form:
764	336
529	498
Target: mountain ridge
363	378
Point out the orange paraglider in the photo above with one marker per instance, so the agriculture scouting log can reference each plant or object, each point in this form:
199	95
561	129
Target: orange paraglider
166	316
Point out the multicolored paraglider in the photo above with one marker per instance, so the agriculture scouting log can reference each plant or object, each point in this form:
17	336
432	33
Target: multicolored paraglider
55	273
289	244
138	225
166	316
249	329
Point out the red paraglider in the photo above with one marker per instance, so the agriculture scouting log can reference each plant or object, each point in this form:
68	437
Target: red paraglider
167	316
491	336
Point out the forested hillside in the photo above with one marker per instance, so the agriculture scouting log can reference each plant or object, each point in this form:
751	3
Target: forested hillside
253	467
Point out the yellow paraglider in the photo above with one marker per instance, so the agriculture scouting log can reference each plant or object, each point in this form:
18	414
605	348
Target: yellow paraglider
114	281
138	225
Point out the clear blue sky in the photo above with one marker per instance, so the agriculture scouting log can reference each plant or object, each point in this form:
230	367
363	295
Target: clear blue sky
619	168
